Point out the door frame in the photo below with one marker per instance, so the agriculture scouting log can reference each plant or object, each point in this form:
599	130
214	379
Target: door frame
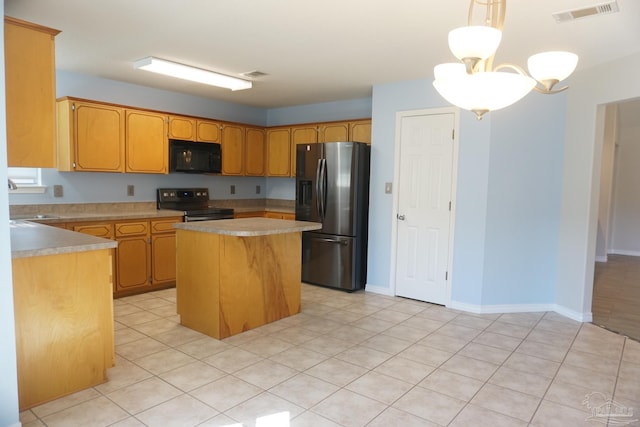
396	182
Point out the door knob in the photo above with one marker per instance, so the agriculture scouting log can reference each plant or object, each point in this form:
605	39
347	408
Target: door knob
401	217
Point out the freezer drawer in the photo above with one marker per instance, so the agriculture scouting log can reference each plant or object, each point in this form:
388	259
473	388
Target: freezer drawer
332	261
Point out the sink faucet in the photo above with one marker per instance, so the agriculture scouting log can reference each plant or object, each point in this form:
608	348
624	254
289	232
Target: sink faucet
12	185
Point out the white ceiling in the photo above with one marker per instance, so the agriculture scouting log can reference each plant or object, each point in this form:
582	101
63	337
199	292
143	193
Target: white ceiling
312	51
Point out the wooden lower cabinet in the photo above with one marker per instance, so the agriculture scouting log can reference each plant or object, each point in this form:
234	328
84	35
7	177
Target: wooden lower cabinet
279	215
163	251
64	323
265	214
145	256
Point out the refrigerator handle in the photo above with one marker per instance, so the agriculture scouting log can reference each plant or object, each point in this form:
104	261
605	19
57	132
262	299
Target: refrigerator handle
323	184
319	197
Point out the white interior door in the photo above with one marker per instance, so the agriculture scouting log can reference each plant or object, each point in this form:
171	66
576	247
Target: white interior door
424	206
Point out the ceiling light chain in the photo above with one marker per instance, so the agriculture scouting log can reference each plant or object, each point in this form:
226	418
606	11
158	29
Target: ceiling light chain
475	86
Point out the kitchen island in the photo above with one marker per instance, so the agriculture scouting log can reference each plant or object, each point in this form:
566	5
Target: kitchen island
62	286
237	274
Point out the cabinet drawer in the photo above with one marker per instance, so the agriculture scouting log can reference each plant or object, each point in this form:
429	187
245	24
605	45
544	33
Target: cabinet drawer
98	230
132	228
164	225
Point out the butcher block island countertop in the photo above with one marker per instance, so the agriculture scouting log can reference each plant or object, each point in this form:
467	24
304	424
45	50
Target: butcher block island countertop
63	307
237	274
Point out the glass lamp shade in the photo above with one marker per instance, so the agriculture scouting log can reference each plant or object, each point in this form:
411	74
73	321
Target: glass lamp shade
483	92
477	41
552	65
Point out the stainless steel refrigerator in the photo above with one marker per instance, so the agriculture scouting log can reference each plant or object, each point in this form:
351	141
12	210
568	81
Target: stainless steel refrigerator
332	187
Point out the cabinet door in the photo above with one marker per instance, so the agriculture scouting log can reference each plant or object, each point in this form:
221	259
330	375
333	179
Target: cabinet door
278	152
182	128
132	263
208	131
232	150
254	152
99	137
360	131
97	230
334	132
30	94
307	134
163	255
146	142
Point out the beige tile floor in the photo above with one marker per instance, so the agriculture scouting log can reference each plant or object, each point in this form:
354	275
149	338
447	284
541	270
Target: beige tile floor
356	359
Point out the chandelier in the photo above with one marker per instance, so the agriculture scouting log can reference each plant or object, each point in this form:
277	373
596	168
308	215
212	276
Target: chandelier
475	85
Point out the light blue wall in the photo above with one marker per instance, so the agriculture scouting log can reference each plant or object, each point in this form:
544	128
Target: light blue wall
523	201
9	415
116	92
509	175
323	112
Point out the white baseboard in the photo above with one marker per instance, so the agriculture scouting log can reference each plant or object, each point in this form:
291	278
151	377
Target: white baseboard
521	308
378	290
600	258
575	315
501	308
623	252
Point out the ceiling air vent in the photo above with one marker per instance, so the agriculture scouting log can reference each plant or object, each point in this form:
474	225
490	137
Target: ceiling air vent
599	9
254	74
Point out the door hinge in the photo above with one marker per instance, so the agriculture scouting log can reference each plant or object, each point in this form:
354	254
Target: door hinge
73	107
453	134
74	165
449	206
446	275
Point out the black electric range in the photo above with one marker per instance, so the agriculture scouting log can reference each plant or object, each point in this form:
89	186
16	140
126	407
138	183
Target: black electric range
194	202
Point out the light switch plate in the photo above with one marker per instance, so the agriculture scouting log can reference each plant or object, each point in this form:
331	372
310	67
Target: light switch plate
387	188
257	189
130	190
232	189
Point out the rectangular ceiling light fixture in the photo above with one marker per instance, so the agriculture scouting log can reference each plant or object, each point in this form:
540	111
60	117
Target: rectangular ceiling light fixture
194	74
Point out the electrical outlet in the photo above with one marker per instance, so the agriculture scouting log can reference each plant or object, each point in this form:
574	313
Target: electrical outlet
257	189
57	191
387	188
130	190
232	189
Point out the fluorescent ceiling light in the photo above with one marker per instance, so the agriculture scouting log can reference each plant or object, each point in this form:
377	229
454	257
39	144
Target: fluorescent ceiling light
186	72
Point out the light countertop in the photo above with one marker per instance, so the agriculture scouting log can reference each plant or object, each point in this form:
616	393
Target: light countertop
246	227
29	239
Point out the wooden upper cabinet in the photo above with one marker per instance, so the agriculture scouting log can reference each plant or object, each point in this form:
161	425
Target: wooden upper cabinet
360	131
146	142
30	91
182	128
91	136
232	149
254	157
278	152
305	134
208	131
334	132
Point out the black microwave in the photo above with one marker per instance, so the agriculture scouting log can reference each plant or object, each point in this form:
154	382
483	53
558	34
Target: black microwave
194	157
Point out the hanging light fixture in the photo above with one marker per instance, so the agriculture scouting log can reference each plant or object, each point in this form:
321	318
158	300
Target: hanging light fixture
475	85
